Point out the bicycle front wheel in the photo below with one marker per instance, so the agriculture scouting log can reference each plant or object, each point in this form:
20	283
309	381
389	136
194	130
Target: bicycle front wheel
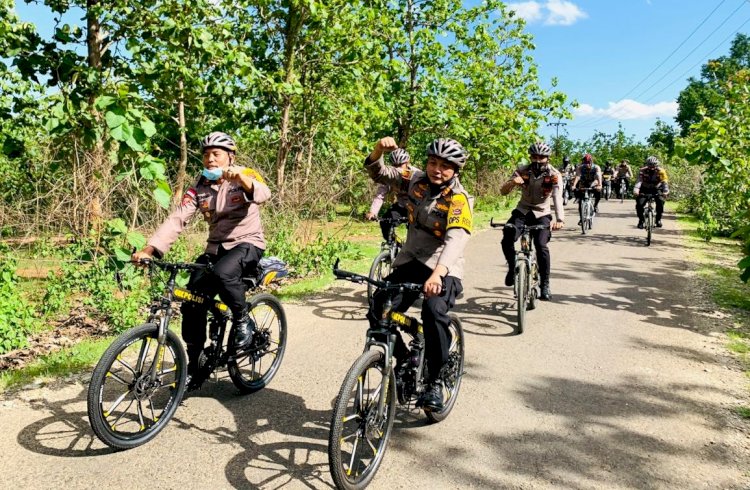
584	217
522	277
359	436
253	369
452	371
127	407
379	270
649	226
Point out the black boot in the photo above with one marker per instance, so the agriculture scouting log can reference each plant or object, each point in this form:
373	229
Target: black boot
545	294
510	276
243	330
432	398
640	224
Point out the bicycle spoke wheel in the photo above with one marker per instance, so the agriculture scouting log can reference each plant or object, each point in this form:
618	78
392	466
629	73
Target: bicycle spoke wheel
379	270
359	437
521	296
126	407
649	227
252	369
452	371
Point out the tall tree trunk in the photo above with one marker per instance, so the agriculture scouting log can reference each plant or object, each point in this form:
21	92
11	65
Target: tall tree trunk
291	38
182	165
98	166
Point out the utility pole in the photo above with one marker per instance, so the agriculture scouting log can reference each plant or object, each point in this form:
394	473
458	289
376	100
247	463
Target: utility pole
557	134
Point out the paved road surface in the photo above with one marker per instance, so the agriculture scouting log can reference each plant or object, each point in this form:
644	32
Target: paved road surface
618	383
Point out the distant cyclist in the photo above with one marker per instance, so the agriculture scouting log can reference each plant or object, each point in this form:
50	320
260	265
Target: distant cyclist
588	176
652	181
402	162
622	173
607	174
541	185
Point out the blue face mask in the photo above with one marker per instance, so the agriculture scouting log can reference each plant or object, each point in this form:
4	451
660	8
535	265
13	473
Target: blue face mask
212	173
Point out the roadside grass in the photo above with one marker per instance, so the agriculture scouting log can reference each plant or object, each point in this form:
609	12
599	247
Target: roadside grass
364	238
77	358
716	262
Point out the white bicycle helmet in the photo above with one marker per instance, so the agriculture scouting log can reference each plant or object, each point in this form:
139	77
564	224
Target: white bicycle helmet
450	150
217	139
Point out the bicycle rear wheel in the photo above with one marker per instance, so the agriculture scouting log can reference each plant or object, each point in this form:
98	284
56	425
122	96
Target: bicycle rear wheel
126	408
359	437
380	269
521	295
252	369
452	371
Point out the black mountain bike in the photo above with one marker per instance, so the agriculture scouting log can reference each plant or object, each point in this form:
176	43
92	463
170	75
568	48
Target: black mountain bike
382	264
649	217
587	211
526	276
365	408
141	377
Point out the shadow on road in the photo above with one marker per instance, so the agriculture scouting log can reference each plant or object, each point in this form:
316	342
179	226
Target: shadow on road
657	296
66	433
598	442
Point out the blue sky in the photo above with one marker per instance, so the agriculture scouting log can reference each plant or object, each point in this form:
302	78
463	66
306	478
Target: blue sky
624	61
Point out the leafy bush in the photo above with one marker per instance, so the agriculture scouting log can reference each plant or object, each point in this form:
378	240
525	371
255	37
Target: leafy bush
315	256
17	317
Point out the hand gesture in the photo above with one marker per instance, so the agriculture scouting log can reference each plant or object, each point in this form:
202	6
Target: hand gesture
369	216
558	225
386	144
518	180
233	173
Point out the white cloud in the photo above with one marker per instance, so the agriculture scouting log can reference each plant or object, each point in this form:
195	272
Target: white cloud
563	13
529	11
552	12
629	109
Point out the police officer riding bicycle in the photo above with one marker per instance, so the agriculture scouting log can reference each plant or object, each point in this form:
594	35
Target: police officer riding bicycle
440	223
401	161
228	197
588	176
652	181
540	185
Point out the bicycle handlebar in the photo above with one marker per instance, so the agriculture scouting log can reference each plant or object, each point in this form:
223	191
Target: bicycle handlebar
395	221
188	266
528	227
359	279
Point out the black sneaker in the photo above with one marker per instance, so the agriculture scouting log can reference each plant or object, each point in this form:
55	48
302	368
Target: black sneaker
658	223
545	294
243	332
640	225
194	382
432	398
596	210
510	277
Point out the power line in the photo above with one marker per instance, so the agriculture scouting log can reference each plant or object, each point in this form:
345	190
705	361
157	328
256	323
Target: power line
742	4
705	57
620	111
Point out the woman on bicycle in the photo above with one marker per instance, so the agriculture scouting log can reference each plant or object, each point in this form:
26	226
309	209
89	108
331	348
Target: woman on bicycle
402	162
652	181
440	222
228	198
540	185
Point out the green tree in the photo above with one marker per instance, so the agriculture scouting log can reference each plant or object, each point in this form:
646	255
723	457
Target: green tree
705	96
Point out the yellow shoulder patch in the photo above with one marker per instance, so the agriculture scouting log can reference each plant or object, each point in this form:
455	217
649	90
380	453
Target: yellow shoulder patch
459	214
255	175
663	175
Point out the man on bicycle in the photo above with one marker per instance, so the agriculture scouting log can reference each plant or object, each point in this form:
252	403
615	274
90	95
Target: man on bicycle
400	161
588	176
228	198
623	172
440	223
652	181
540	185
607	174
